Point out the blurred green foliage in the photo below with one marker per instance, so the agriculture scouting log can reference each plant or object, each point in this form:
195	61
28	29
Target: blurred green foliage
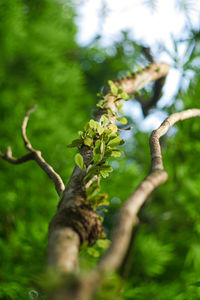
41	63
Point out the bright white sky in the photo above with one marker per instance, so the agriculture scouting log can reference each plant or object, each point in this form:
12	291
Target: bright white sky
145	27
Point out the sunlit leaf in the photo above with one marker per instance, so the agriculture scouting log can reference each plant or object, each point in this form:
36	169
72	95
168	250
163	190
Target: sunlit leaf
100	104
79	160
93	252
113	128
104	173
114	142
122	120
100	129
116	153
97	158
88	141
113	88
104	244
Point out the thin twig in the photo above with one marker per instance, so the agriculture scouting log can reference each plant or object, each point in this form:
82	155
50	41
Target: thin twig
34	155
16	161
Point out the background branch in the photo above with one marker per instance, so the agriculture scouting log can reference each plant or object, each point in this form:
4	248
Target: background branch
140	79
16	161
128	214
34	155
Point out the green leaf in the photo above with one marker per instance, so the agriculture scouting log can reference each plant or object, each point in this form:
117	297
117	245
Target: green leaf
100	129
106	168
93	252
93	124
97	147
123	94
97	158
108	131
84	245
139	68
81	133
114	142
104	173
91	132
88	141
104	120
97	144
86	126
122	142
93	190
116	153
113	128
94	168
129	74
100	104
132	71
110	113
120	108
100	200
79	160
75	143
104	244
122	120
108	153
113	88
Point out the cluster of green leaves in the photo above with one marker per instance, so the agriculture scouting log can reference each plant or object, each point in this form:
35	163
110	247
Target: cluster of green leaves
102	137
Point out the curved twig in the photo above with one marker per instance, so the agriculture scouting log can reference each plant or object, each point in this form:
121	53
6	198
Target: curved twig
34	155
15	161
127	217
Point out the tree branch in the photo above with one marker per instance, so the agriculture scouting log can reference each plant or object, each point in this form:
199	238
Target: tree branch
34	155
140	79
74	194
16	161
127	217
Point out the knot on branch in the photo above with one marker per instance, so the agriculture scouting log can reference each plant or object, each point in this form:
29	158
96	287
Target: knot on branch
83	219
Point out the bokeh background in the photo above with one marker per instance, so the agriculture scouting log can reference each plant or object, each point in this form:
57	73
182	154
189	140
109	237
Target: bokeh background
50	56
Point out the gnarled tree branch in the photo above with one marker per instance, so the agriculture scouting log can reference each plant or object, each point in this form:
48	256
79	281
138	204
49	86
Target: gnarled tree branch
34	155
74	193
